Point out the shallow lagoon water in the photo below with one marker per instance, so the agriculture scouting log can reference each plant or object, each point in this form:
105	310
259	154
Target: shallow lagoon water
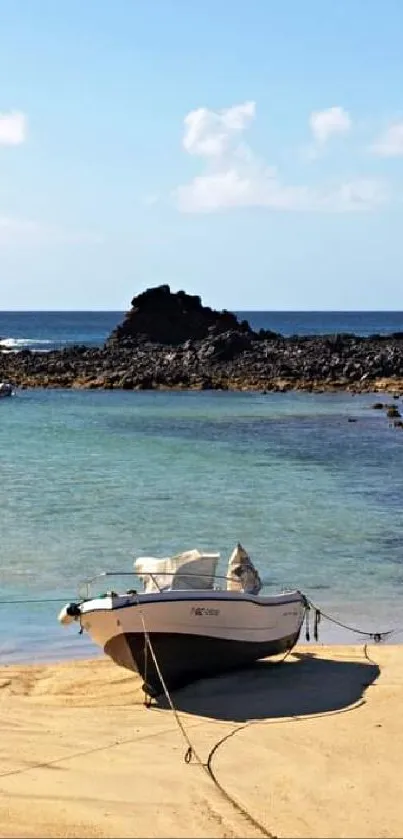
90	479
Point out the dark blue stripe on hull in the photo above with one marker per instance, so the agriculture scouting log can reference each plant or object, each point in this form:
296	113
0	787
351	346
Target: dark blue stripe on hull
185	658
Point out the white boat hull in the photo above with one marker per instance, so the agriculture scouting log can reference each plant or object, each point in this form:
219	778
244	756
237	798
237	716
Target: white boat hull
192	635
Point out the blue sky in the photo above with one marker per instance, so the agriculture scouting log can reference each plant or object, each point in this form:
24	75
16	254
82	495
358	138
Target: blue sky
248	152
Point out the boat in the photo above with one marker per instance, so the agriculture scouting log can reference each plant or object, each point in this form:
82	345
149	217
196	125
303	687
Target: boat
188	623
6	389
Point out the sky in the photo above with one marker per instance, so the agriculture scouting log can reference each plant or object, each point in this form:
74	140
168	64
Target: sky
249	152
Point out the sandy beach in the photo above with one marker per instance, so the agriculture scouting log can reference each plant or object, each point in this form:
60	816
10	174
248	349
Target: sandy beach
310	748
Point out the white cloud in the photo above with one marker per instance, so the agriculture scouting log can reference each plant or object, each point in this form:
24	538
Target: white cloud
390	143
14	231
332	121
353	196
229	189
13	128
235	177
209	133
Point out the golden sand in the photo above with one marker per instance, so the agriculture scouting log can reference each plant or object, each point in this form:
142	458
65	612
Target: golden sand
311	748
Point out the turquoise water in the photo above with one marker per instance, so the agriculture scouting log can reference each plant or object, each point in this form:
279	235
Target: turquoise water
91	479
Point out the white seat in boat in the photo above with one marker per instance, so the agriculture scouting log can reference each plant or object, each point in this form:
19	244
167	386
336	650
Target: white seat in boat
158	577
194	570
188	571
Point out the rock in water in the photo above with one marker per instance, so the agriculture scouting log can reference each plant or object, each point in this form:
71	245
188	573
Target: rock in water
164	317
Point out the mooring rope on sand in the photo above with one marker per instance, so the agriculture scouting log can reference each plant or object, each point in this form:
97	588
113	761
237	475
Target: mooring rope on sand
208	765
191	751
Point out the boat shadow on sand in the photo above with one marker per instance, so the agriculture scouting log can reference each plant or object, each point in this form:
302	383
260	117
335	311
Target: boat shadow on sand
302	685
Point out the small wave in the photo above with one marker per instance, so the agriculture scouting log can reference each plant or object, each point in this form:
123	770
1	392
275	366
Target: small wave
16	344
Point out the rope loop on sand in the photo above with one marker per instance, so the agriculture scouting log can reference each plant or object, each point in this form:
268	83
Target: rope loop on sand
191	751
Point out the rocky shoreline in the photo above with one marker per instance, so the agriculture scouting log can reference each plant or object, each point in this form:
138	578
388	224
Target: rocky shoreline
167	342
353	364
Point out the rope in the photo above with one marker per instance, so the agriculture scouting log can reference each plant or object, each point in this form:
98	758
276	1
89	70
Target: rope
319	613
191	751
39	600
275	721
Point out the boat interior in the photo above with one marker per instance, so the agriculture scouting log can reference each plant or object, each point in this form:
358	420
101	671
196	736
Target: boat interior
191	571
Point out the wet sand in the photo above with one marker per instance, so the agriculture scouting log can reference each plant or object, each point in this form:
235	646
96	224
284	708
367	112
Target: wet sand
310	748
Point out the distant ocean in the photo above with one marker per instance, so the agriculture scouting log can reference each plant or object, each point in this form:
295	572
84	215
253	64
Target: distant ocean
47	330
90	479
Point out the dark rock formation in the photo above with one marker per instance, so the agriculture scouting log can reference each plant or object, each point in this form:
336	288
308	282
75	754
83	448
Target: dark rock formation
172	341
163	317
392	412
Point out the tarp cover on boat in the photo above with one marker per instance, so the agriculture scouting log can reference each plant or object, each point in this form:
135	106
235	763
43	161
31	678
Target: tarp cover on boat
186	571
242	574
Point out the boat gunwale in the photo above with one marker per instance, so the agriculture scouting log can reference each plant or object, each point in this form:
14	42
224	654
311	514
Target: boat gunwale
142	598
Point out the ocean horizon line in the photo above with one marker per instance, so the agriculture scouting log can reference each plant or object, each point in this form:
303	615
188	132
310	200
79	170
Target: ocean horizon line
235	310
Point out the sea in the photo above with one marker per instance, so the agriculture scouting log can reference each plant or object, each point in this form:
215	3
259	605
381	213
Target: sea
310	484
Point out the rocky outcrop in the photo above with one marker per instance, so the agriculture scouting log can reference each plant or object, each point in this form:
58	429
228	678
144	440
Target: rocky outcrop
165	317
173	341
